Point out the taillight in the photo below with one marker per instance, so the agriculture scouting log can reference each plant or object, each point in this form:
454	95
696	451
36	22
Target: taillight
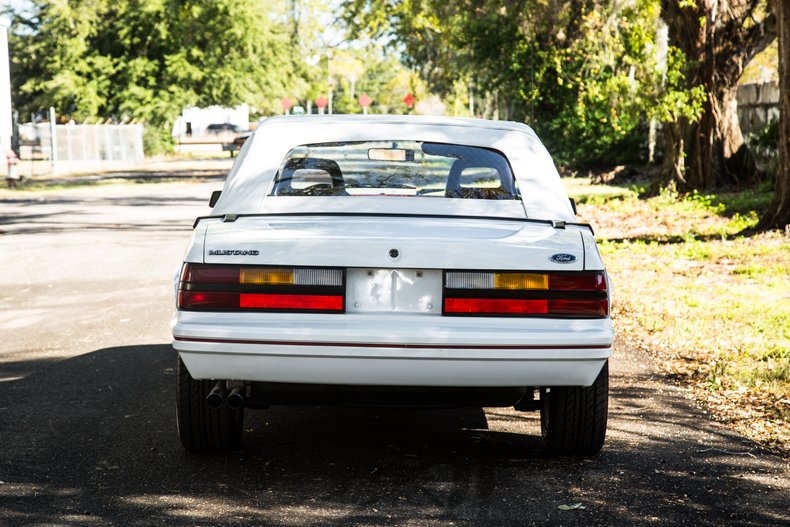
253	288
568	294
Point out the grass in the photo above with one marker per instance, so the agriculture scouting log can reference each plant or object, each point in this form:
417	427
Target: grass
99	179
712	303
36	185
32	185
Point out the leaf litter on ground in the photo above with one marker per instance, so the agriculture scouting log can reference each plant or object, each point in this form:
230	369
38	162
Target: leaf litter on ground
711	305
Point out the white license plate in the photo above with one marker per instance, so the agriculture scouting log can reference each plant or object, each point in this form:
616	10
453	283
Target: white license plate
393	290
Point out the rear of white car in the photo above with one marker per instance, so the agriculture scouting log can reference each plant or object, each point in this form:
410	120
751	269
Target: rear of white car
393	261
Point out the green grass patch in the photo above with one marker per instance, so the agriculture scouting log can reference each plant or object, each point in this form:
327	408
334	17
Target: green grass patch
745	202
38	185
32	185
722	301
669	216
584	191
712	303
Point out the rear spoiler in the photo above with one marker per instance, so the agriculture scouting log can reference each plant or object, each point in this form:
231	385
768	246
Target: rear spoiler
226	218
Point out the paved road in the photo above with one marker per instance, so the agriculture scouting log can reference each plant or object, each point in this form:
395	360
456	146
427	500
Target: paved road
87	431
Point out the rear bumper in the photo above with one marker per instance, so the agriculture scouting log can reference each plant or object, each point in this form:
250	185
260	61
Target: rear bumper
392	350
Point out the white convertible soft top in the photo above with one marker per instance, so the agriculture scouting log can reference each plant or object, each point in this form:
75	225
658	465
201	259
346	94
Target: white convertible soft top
249	181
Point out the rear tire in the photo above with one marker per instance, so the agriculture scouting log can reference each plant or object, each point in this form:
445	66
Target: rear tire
200	428
573	419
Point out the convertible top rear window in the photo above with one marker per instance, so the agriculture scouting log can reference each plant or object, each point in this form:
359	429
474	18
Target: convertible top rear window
395	168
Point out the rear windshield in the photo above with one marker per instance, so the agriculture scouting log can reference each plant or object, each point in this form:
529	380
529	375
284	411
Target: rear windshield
395	168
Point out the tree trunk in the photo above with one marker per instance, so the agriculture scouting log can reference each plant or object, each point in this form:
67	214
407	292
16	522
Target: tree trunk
716	50
778	214
674	169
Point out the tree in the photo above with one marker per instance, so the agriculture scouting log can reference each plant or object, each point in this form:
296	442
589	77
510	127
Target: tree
310	46
718	39
387	81
778	214
583	73
146	59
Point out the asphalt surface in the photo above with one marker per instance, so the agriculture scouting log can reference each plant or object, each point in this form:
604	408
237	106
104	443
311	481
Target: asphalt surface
87	412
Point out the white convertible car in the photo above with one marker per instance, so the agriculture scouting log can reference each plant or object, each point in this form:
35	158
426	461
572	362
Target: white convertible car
380	260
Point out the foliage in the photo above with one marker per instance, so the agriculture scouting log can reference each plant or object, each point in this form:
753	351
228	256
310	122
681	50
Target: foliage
764	146
674	101
387	82
145	59
585	75
764	67
767	137
310	47
327	61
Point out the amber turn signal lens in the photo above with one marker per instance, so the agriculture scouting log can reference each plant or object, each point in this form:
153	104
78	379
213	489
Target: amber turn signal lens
521	281
266	276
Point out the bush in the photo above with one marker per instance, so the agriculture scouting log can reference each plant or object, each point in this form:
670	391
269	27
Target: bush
157	140
764	146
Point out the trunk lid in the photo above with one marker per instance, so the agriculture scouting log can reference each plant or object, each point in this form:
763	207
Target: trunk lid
393	242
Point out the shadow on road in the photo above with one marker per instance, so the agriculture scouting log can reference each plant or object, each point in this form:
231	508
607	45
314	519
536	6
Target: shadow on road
80	214
92	440
124	201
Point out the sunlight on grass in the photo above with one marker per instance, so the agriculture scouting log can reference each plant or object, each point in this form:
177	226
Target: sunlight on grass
667	215
711	304
718	311
584	191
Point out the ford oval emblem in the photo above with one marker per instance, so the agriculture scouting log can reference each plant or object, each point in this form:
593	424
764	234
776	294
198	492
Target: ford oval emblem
562	258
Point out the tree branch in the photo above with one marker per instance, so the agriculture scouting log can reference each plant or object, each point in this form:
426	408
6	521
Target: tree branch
760	36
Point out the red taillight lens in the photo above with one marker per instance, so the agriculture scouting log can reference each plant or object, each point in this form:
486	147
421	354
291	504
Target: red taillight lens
210	274
207	300
255	288
580	308
296	302
496	306
568	295
577	282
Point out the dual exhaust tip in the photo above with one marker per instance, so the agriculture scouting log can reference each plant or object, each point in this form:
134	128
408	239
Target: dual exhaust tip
219	395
